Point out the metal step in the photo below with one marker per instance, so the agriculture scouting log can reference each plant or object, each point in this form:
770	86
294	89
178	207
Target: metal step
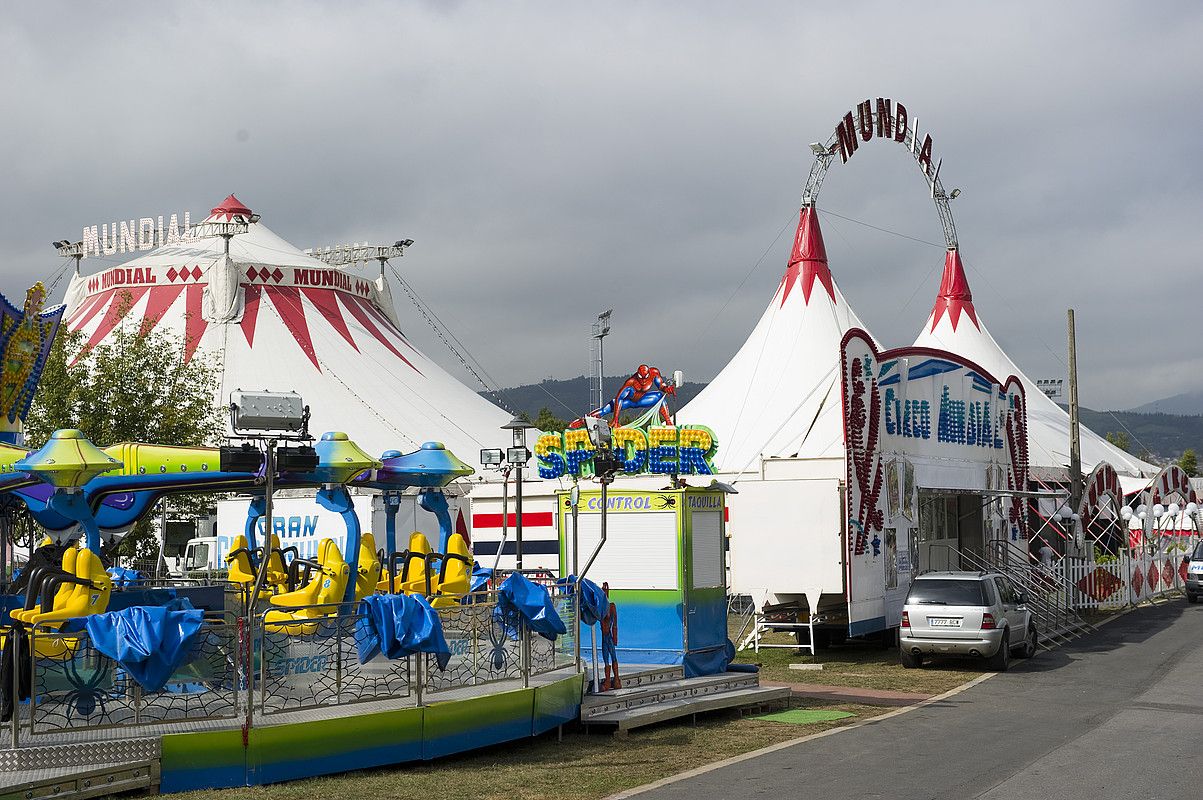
54	756
682	689
626	719
642	676
93	780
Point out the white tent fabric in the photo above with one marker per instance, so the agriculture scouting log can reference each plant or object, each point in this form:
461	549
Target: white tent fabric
278	319
954	325
779	396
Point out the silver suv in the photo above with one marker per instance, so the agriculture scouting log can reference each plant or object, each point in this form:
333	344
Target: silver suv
978	614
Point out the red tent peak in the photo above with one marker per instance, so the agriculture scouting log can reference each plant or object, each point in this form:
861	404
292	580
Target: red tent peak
231	206
954	296
808	259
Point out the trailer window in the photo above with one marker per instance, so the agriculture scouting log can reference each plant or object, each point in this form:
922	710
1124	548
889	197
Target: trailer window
947	593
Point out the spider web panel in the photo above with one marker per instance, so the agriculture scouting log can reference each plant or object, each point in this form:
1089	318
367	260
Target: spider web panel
299	664
74	686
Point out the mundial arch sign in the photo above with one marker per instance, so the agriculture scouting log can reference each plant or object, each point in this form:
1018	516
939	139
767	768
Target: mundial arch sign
918	417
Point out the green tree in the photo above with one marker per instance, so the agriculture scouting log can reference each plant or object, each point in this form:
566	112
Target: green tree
1120	439
547	421
1189	462
136	386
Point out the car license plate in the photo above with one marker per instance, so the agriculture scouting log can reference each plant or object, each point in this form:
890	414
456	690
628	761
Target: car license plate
944	622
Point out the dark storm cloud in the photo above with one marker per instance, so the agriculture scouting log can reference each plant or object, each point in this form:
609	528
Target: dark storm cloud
552	160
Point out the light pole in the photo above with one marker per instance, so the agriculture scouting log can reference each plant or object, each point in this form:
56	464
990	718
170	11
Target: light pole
517	456
601	329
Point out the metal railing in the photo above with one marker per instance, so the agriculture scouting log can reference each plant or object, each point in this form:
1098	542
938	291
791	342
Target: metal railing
244	667
314	662
74	686
1050	597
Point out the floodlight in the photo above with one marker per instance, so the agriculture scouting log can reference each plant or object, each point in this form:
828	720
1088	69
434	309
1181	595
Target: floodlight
818	149
517	455
268	411
954	194
599	432
491	458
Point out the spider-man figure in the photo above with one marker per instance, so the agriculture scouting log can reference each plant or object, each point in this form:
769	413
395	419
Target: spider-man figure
609	636
644	389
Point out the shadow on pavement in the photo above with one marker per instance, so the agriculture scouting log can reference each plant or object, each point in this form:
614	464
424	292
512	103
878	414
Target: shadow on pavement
1134	627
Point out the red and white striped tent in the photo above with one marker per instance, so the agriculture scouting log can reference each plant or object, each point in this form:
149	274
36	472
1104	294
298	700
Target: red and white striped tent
955	325
779	396
278	319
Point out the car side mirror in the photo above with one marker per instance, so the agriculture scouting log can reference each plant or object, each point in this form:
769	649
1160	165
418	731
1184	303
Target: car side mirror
1186	560
1021	598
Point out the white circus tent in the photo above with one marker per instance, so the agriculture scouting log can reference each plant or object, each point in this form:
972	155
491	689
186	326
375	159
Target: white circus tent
955	325
276	318
777	412
779	396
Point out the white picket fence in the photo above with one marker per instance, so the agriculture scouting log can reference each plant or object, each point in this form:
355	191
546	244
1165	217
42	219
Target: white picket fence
1117	584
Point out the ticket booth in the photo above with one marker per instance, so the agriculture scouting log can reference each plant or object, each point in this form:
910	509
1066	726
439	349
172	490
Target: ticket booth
665	562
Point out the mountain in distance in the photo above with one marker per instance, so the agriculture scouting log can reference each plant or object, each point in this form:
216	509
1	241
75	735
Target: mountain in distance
1186	404
568	398
1165	435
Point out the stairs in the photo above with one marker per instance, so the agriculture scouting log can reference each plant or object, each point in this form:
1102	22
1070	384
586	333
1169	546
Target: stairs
79	770
666	694
1051	600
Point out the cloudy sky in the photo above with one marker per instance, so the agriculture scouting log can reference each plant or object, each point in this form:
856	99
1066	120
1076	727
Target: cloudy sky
552	160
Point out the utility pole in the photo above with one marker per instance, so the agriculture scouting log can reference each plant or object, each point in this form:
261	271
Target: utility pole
1075	447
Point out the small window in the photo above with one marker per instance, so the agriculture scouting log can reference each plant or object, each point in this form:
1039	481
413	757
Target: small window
1005	593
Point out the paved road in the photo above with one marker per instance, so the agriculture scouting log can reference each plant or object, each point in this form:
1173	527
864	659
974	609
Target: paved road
1117	715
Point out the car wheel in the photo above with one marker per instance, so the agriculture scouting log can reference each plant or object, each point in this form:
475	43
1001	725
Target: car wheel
1030	643
1002	659
1192	598
908	659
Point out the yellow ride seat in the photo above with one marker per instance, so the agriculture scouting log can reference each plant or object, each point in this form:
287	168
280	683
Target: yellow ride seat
455	575
416	578
320	596
277	570
60	597
86	598
368	577
238	563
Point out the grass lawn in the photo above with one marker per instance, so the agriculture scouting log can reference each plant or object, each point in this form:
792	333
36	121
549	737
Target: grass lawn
861	665
581	767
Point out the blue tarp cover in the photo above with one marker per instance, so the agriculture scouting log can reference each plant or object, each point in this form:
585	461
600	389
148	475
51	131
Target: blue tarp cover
594	602
480	576
518	597
150	642
399	625
124	577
